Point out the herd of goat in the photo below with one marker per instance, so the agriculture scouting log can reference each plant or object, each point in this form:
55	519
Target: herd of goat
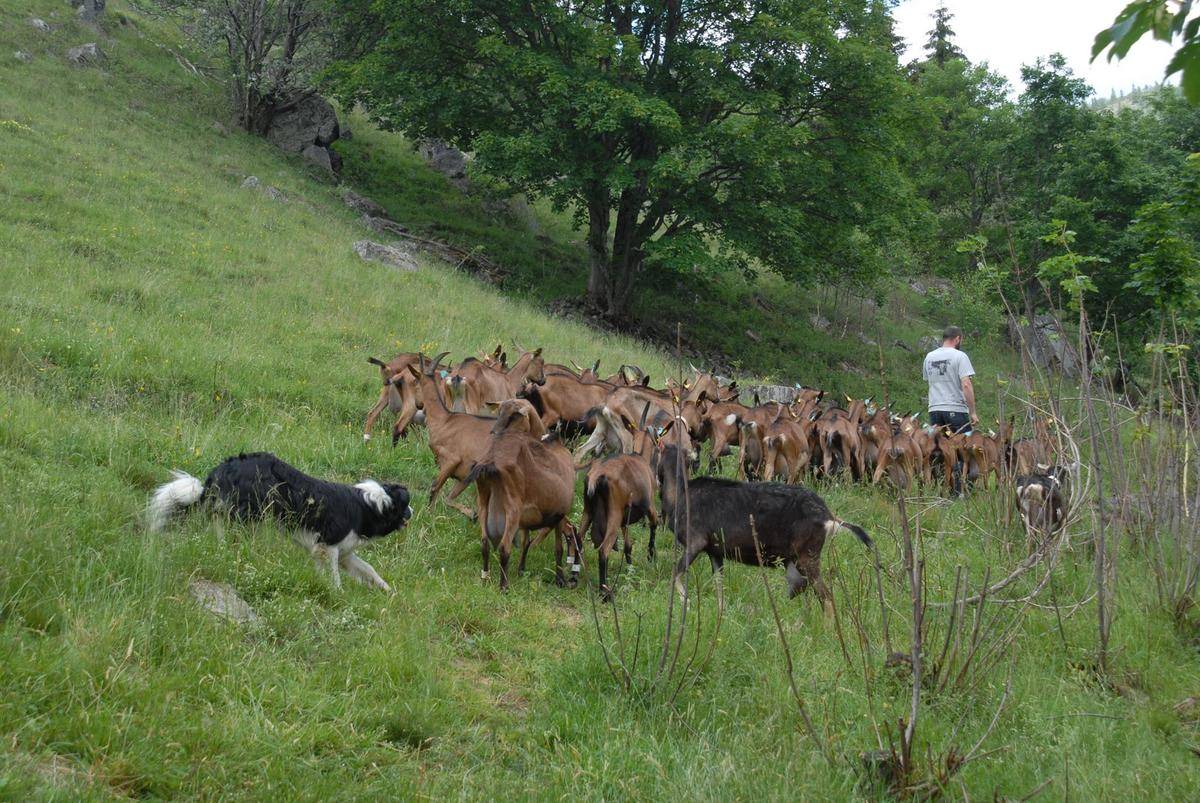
502	427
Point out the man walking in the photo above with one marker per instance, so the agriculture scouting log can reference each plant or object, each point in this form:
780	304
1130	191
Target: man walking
948	371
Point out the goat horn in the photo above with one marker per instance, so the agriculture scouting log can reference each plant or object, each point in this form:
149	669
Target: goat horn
437	361
645	412
596	367
576	366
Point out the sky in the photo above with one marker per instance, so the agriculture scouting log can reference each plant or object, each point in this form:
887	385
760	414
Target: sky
1009	33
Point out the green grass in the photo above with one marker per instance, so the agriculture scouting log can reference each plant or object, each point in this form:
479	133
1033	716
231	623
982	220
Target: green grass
156	315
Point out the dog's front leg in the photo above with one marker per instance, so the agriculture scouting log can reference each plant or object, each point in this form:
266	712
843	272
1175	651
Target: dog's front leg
363	572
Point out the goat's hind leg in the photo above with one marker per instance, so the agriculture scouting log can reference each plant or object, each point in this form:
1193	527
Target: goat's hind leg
373	415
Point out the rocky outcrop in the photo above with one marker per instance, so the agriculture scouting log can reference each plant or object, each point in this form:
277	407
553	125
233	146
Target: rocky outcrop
311	121
1048	346
447	160
381	225
86	55
39	24
322	157
361	203
390	255
91	10
928	343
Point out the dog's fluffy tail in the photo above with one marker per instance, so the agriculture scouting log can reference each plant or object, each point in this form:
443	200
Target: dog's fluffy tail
178	494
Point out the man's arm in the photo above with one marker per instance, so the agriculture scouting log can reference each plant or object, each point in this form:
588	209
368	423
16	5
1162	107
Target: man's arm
969	394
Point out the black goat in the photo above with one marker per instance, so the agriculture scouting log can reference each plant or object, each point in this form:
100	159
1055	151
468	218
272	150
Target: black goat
1040	502
723	517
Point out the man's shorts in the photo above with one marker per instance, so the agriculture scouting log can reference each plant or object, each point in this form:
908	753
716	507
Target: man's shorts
957	422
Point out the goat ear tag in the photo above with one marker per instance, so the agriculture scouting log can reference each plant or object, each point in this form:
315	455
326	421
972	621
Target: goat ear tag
444	373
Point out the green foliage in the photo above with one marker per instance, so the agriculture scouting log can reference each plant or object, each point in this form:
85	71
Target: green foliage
1165	20
940	45
765	129
1166	271
1065	269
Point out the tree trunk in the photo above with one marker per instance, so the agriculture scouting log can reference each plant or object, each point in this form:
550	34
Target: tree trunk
611	280
597	241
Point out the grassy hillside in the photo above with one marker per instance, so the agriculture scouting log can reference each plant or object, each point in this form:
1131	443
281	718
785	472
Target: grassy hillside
157	315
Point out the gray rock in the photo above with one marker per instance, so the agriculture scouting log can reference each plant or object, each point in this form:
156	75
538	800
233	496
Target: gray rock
753	335
85	55
382	225
820	322
346	134
39	24
918	287
390	255
22	56
311	121
1048	346
928	343
220	128
220	599
361	203
784	394
447	160
275	194
323	157
91	10
251	183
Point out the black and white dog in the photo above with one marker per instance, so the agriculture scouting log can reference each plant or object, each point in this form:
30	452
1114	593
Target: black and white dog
332	519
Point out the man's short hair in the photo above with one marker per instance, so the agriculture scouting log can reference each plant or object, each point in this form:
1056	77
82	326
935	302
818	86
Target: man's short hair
951	332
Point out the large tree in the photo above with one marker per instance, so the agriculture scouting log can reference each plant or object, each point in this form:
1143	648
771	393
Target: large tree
684	134
940	46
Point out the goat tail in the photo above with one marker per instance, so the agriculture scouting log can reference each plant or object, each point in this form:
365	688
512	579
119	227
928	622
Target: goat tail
481	471
834	524
178	494
596	499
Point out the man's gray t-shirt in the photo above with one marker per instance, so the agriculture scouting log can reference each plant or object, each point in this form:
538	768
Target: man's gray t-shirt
945	369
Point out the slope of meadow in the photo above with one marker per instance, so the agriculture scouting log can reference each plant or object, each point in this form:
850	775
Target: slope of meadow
157	315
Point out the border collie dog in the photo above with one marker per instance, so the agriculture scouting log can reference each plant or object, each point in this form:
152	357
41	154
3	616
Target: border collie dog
332	519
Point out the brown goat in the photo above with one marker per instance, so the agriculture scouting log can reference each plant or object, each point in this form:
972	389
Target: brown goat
399	393
457	440
900	458
482	386
524	483
719	426
564	398
838	437
786	449
620	491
